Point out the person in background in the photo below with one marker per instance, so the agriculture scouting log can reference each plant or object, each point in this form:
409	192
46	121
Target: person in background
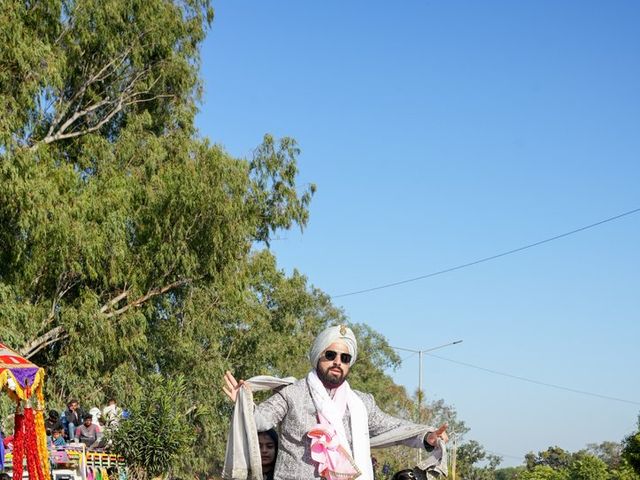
96	415
73	416
52	422
87	433
57	438
268	442
111	414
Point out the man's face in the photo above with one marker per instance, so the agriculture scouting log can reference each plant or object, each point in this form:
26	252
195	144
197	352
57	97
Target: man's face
73	406
87	422
333	372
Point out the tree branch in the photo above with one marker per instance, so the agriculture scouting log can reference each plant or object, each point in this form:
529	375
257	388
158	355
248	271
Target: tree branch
82	113
149	295
120	104
61	112
53	335
58	132
61	136
114	301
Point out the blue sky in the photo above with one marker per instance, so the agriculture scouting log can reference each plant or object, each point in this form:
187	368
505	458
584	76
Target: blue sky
439	133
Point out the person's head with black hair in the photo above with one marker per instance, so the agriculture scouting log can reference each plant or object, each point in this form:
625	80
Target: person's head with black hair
268	442
87	420
404	475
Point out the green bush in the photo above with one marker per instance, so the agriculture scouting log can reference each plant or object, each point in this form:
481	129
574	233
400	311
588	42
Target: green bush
156	433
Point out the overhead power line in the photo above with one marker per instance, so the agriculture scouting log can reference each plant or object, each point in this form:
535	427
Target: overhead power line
486	259
537	382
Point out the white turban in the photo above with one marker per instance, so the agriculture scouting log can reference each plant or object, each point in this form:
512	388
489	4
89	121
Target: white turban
338	333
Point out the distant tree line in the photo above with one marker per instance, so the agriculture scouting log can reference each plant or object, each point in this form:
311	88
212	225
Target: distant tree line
604	461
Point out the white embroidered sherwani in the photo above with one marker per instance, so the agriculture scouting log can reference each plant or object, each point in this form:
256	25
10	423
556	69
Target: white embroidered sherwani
292	408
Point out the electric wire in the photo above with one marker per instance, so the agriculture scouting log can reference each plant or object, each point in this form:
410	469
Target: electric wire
486	259
537	382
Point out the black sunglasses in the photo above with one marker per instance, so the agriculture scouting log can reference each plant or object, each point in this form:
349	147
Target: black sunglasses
331	356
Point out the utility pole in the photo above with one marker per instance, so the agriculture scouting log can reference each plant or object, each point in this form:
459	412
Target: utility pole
420	394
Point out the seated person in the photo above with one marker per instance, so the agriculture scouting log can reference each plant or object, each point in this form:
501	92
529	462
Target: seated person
87	433
73	418
57	438
111	414
52	422
268	442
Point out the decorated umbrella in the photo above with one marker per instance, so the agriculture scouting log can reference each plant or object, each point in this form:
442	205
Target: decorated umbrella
23	381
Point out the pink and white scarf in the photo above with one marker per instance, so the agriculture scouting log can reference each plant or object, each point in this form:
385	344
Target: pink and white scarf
329	444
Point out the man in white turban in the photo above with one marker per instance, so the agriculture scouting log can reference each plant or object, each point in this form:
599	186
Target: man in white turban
325	426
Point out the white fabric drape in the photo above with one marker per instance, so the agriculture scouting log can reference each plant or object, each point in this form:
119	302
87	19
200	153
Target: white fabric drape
359	426
242	458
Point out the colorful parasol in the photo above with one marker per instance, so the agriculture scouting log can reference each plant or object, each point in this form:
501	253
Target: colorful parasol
23	381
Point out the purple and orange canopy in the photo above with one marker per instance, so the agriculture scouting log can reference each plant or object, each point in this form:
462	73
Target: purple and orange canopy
17	374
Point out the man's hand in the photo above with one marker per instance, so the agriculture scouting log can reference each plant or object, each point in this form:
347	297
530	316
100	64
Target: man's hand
232	386
432	437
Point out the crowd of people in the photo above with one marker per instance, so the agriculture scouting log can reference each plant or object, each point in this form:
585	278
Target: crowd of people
77	425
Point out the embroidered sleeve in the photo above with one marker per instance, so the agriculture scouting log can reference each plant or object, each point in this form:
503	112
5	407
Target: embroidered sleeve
381	422
270	412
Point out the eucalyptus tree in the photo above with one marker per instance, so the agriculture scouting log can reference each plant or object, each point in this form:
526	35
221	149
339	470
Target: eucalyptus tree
131	248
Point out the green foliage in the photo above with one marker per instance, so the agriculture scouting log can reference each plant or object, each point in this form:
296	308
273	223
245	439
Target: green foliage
587	467
80	66
598	461
509	473
544	472
134	251
156	434
624	471
469	455
275	171
631	450
131	248
554	457
609	452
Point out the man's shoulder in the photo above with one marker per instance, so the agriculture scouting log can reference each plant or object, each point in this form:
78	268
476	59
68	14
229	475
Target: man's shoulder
294	393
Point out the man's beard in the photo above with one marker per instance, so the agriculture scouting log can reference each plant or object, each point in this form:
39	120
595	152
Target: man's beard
331	379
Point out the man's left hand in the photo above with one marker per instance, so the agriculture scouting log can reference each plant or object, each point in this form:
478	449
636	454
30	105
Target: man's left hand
432	437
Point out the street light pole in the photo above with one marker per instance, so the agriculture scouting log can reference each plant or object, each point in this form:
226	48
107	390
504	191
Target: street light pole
419	399
420	353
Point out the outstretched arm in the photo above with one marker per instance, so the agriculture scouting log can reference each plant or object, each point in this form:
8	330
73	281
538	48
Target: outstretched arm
394	429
